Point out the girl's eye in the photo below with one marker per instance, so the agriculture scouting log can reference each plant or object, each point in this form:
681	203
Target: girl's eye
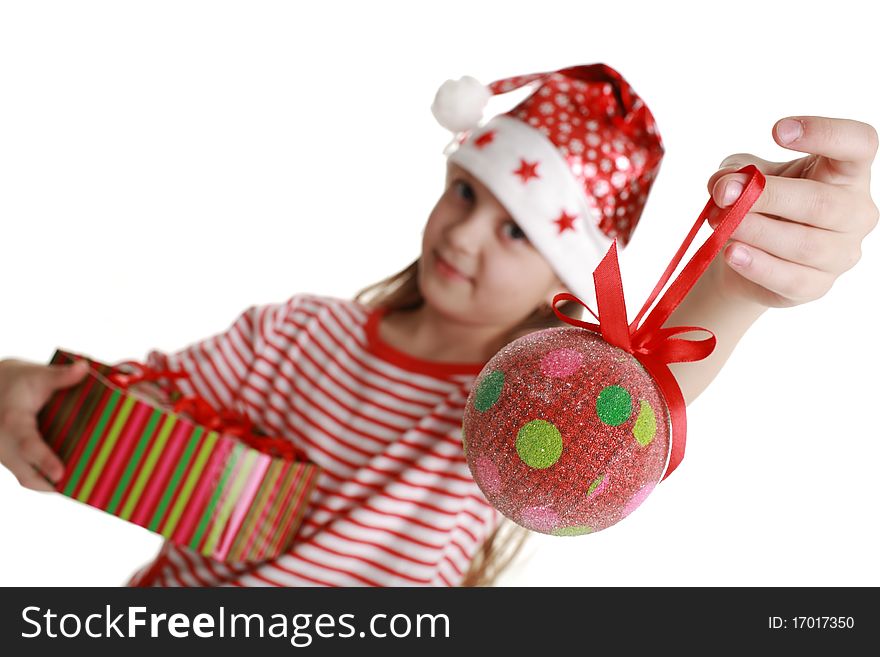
515	231
464	190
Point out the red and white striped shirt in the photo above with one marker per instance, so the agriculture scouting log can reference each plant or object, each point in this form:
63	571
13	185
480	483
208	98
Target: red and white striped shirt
395	503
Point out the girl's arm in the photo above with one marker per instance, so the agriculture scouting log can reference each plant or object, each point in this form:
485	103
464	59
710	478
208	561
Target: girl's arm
728	317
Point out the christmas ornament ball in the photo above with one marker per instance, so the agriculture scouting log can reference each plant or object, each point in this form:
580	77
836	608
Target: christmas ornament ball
564	433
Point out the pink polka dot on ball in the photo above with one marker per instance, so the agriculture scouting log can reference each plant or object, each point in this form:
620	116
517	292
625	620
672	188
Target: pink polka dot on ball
561	362
488	475
540	518
638	498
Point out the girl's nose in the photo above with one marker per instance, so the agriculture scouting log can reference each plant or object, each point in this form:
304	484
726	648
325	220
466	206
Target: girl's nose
468	233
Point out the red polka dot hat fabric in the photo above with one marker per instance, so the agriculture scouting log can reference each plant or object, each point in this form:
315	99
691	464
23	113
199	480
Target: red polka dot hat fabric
606	134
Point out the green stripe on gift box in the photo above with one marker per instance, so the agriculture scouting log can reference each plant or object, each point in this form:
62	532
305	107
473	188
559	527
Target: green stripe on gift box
133	462
93	397
244	472
286	494
142	479
257	511
109	443
289	498
208	515
73	405
294	509
184	498
93	441
178	473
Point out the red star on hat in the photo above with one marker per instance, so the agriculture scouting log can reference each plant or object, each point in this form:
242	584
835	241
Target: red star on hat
485	138
565	222
527	171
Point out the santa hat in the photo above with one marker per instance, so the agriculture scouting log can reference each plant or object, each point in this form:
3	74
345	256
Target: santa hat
573	163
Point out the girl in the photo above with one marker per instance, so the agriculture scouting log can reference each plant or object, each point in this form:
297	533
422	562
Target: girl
372	389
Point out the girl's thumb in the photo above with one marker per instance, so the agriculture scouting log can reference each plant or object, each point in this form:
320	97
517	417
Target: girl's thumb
68	375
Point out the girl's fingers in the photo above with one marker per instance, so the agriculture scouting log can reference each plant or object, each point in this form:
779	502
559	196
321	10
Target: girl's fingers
850	146
734	162
788	280
25	448
826	250
36	452
798	199
28	476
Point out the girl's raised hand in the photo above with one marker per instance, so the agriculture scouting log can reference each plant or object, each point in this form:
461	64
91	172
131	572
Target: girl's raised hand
807	226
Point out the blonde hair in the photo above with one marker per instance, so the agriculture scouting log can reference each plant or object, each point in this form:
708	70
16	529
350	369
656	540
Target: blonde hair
401	292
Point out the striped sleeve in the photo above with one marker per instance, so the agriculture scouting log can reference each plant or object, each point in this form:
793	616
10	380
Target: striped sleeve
218	366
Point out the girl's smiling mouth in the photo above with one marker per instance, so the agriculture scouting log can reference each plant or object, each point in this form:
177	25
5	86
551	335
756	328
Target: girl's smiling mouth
447	270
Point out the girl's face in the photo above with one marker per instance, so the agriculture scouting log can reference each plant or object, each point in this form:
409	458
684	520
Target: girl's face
477	265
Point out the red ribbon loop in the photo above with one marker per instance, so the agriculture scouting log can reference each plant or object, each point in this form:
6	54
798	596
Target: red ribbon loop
651	343
201	412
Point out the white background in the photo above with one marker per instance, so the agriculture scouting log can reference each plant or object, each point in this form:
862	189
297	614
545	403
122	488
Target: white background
164	165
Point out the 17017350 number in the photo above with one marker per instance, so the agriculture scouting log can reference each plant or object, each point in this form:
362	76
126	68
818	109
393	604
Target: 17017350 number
811	622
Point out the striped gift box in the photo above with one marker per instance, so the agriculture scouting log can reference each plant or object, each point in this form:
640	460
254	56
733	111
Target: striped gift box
198	488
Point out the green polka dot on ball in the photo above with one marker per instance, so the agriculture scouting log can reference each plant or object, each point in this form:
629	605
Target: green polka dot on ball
574	530
595	484
539	444
489	390
646	424
614	405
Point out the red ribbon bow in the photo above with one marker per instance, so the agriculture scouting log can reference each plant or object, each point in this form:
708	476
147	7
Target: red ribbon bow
651	344
200	411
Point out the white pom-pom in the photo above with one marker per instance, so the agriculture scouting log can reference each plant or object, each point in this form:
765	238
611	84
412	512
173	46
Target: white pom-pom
458	105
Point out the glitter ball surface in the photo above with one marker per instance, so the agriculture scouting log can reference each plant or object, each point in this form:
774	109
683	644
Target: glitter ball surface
565	434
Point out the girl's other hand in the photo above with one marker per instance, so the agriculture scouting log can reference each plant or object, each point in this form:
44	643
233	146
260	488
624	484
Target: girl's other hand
24	389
